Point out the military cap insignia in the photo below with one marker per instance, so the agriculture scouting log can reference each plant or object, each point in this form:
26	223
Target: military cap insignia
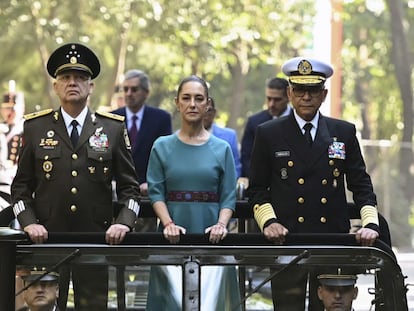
307	71
304	67
37	114
73	56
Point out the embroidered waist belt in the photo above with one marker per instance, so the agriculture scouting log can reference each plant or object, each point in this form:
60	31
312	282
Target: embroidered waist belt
192	196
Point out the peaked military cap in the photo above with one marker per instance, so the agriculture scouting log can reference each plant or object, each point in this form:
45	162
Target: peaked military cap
307	71
36	273
338	277
73	56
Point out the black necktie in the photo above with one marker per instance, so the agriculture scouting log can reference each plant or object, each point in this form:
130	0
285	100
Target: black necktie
307	127
74	136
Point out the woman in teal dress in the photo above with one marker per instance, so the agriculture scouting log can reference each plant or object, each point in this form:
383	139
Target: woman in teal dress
192	188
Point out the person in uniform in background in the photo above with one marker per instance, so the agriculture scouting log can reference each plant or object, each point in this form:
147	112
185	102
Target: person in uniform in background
192	188
224	133
297	177
337	291
11	128
277	105
68	160
41	295
145	124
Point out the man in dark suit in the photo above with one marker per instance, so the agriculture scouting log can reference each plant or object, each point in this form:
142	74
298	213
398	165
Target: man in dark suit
277	104
297	176
68	160
145	124
41	295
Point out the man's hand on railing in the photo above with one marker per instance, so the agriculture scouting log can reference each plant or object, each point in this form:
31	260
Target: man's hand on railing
116	233
275	233
37	233
366	236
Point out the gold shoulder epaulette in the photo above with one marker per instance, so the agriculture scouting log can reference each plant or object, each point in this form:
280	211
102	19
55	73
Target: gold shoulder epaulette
111	115
36	114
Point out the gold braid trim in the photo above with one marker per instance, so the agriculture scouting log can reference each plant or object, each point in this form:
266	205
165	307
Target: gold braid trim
263	213
369	214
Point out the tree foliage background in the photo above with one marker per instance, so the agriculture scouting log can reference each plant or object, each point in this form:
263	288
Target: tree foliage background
235	45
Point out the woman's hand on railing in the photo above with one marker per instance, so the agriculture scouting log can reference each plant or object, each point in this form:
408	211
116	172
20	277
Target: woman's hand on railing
172	232
217	232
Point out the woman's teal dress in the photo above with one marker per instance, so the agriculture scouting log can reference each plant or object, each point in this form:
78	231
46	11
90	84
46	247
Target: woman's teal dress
176	168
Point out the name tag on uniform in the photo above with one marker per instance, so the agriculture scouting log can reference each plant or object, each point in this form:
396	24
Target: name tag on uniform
282	154
336	150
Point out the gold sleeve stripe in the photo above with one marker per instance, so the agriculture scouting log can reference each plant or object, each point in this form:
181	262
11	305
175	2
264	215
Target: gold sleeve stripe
369	214
263	213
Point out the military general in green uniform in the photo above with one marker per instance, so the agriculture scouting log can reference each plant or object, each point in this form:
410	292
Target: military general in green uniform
68	160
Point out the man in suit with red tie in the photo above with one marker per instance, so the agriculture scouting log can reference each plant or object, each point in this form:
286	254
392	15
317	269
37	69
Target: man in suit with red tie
298	174
145	124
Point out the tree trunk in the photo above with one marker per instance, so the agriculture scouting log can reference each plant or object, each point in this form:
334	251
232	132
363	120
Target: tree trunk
403	68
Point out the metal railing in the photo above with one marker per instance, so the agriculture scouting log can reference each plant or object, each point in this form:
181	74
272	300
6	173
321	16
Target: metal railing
310	251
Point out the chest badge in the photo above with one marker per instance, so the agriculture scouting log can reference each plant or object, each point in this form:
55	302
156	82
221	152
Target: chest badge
99	140
336	150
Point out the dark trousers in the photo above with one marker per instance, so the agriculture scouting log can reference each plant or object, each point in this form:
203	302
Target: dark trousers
90	287
289	290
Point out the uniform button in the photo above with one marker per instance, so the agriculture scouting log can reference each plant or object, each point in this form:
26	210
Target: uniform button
324	182
74	156
323	220
301	181
73	208
105	222
100	159
336	172
331	162
15	144
290	163
74	173
74	190
324	200
46	157
47	176
301	219
301	200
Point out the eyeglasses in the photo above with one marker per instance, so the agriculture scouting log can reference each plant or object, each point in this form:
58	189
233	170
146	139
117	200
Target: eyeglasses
312	91
133	89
